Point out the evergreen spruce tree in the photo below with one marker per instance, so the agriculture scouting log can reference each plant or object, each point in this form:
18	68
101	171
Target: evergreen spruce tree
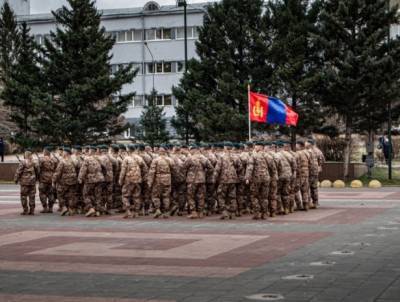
232	49
153	122
22	83
8	44
82	96
360	73
291	24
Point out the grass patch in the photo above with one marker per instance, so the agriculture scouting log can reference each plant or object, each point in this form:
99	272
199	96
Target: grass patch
381	174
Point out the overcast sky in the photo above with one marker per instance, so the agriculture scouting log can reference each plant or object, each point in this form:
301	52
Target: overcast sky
45	6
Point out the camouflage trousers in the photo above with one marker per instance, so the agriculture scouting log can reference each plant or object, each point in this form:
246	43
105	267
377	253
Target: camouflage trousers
28	192
67	196
259	192
46	195
92	196
227	197
117	201
196	195
132	196
294	188
108	188
242	191
284	193
314	189
146	194
161	196
273	196
179	195
211	197
305	190
79	196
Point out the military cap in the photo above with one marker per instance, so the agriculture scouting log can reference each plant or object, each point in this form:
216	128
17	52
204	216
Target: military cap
48	148
77	147
311	141
67	149
193	147
92	147
104	147
250	144
131	147
300	142
184	146
115	147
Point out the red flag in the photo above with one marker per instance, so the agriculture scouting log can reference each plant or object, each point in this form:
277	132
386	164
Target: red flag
258	107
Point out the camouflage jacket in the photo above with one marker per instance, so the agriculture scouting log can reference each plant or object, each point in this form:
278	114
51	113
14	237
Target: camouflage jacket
65	174
226	169
91	171
284	167
314	166
178	171
47	167
27	173
272	162
304	161
196	167
107	167
320	156
212	158
160	171
292	161
133	170
257	169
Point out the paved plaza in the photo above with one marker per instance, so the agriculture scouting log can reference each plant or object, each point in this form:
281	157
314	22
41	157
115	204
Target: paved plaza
348	250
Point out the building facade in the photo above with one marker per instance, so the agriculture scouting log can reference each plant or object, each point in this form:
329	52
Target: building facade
152	38
20	7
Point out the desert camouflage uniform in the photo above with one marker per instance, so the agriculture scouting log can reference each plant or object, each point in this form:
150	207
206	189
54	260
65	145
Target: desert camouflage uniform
211	191
66	181
304	159
92	177
227	178
243	190
272	162
133	173
314	171
108	184
293	167
257	174
178	184
26	176
148	158
285	174
47	166
159	182
78	160
196	167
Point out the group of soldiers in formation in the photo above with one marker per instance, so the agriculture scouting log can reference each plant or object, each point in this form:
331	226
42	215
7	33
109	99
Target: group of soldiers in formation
258	178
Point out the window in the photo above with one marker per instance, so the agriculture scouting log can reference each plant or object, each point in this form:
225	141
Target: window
137	35
159	34
151	6
150	68
129	35
167	34
190	32
39	39
121	36
167	100
138	101
159	100
167	67
180	66
113	35
114	68
159	67
196	32
150	34
180	33
138	66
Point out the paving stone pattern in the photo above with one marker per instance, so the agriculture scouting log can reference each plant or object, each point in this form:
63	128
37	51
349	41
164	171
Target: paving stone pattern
348	250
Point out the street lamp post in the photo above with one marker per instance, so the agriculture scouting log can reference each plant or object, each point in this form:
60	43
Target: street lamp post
154	66
184	4
389	112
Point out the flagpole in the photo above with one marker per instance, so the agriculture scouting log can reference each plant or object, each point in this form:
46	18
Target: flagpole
248	97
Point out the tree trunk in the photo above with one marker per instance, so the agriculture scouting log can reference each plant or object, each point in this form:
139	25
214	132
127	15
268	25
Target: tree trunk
347	150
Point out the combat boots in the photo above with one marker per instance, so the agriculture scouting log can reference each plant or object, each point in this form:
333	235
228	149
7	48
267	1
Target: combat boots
257	216
45	210
225	215
173	210
91	212
64	211
31	211
193	215
306	206
25	212
50	210
157	214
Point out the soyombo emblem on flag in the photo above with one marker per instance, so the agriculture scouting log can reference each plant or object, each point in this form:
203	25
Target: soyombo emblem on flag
266	109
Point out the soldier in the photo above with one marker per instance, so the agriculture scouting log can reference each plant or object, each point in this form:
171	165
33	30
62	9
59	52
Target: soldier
226	175
314	171
65	178
196	167
304	161
285	174
77	158
210	181
27	175
117	163
47	166
290	156
108	184
272	162
242	189
178	182
133	173
159	182
146	154
91	177
257	176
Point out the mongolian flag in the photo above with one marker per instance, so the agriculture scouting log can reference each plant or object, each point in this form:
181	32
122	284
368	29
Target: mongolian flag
266	109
